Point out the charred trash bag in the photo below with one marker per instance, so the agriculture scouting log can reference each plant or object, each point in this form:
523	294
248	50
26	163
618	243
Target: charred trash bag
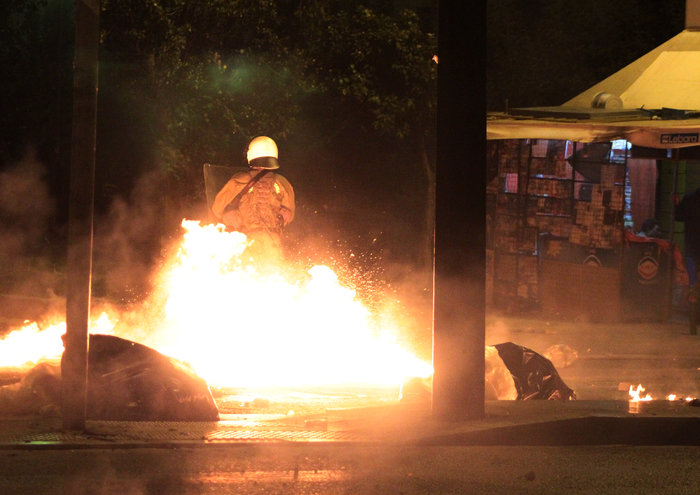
130	381
534	375
126	381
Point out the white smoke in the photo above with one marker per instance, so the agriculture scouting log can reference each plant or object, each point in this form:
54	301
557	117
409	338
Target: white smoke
26	207
128	237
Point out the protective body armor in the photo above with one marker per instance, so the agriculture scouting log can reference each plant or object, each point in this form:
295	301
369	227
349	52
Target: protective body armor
258	208
260	205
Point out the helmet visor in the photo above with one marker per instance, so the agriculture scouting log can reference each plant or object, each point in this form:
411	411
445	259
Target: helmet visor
264	162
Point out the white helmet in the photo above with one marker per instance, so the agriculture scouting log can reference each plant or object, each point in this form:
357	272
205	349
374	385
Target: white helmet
262	153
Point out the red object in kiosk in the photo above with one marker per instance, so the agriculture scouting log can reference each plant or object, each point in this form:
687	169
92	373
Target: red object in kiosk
680	274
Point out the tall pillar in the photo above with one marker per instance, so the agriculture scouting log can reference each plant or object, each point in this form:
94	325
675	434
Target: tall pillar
460	229
80	215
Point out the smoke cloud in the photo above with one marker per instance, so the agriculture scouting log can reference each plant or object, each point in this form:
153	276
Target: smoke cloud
128	239
27	229
26	207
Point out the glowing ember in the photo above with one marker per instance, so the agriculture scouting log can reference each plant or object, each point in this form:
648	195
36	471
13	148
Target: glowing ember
636	394
673	397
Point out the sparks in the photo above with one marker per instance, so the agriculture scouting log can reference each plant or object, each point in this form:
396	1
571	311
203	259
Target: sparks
245	323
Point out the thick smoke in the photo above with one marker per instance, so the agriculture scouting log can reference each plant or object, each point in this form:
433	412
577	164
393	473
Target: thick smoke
26	207
27	240
32	250
127	241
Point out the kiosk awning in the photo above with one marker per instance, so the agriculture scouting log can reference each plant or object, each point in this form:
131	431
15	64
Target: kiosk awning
653	102
650	133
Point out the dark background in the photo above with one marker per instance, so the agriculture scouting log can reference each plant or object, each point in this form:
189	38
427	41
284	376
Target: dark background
347	89
544	52
360	189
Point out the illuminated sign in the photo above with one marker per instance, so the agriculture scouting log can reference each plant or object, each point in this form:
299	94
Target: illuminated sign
687	138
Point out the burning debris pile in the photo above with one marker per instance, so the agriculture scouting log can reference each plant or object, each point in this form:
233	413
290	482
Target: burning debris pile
129	381
236	323
218	318
126	381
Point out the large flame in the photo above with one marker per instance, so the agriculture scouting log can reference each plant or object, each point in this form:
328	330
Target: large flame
244	323
31	343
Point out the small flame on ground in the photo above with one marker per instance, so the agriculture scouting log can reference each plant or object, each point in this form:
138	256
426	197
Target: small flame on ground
636	394
673	397
636	398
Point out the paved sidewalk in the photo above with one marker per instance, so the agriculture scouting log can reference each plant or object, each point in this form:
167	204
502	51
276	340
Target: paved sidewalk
609	357
375	469
601	444
537	447
505	423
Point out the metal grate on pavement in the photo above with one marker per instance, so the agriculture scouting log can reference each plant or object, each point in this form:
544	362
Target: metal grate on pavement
147	432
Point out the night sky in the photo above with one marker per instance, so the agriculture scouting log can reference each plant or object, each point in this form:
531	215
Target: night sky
544	52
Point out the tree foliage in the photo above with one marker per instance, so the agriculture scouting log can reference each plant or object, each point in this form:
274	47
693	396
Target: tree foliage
216	73
208	75
196	80
380	61
183	83
36	38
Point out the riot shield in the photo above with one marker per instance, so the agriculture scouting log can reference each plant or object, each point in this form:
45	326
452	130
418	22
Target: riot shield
215	177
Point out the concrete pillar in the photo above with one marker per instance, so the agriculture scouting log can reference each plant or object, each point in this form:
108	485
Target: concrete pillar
460	229
80	215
